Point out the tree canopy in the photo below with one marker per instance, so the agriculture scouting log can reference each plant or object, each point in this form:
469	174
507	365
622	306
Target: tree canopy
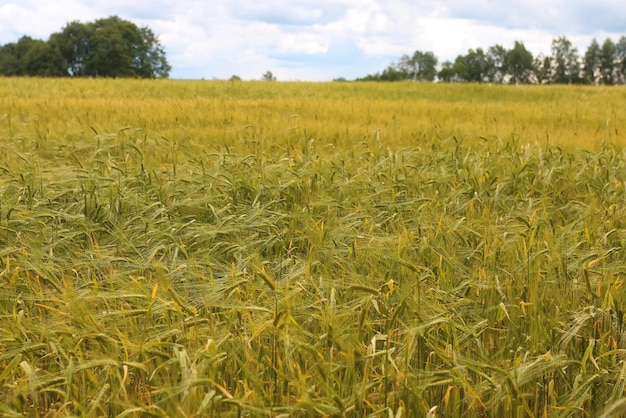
601	64
110	47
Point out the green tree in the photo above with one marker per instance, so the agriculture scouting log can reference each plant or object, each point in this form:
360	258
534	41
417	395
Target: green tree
608	58
421	66
565	59
114	46
268	76
456	71
459	69
474	67
543	69
592	63
13	57
44	59
620	61
498	71
10	62
76	46
150	59
111	47
446	74
391	73
31	57
520	64
405	68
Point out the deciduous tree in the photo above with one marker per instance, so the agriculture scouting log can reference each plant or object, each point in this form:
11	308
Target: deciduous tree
620	61
592	63
498	71
110	47
268	76
566	62
421	66
543	69
474	66
519	62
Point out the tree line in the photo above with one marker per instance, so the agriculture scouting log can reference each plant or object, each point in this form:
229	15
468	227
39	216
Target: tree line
601	64
110	47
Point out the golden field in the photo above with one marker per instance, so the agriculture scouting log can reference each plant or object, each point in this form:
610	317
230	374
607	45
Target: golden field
212	248
399	114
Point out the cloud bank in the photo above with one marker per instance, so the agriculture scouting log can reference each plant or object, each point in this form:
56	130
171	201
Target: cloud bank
324	39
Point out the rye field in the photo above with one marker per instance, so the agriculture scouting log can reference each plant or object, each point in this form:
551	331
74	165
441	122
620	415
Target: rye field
261	249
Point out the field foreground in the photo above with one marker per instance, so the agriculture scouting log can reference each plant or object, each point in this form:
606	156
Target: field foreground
265	249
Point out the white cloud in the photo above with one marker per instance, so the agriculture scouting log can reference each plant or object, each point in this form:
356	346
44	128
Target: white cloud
307	43
306	39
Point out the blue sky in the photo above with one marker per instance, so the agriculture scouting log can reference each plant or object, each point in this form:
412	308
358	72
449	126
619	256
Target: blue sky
323	39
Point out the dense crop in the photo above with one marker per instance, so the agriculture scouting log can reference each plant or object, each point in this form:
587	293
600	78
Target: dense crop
235	249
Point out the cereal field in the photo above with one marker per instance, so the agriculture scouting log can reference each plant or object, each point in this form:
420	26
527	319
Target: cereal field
226	249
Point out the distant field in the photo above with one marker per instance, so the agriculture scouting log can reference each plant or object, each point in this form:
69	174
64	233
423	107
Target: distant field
279	114
196	248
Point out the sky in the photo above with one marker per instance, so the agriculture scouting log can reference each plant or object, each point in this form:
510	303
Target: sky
320	40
